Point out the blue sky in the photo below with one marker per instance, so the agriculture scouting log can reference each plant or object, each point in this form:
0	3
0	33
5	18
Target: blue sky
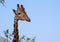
45	19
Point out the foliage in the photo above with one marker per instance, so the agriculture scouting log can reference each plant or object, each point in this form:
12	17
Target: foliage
2	2
26	39
22	39
7	34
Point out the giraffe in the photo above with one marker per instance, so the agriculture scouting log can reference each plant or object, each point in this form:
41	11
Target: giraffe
20	14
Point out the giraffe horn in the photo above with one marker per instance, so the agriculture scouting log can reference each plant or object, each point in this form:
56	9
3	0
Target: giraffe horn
17	5
22	6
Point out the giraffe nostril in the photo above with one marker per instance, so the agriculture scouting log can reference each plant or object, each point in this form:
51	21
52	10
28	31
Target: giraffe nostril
29	20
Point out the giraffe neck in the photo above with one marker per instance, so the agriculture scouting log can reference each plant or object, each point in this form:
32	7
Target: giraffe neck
16	36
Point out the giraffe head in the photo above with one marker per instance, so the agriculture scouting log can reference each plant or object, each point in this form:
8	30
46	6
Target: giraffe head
20	13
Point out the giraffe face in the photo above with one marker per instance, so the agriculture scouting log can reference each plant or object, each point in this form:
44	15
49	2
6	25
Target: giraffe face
21	14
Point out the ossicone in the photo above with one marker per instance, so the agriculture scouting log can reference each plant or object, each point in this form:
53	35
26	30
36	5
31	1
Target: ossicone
17	5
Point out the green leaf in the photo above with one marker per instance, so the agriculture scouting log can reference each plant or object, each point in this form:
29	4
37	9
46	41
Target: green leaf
33	40
28	39
2	2
6	36
6	32
13	33
23	37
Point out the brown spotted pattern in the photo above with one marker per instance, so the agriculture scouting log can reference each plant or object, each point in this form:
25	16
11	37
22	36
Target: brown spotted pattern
20	14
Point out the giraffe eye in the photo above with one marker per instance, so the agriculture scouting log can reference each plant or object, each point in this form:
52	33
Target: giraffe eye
19	13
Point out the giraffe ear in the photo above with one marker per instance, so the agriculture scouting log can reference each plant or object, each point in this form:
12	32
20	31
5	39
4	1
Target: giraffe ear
14	11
